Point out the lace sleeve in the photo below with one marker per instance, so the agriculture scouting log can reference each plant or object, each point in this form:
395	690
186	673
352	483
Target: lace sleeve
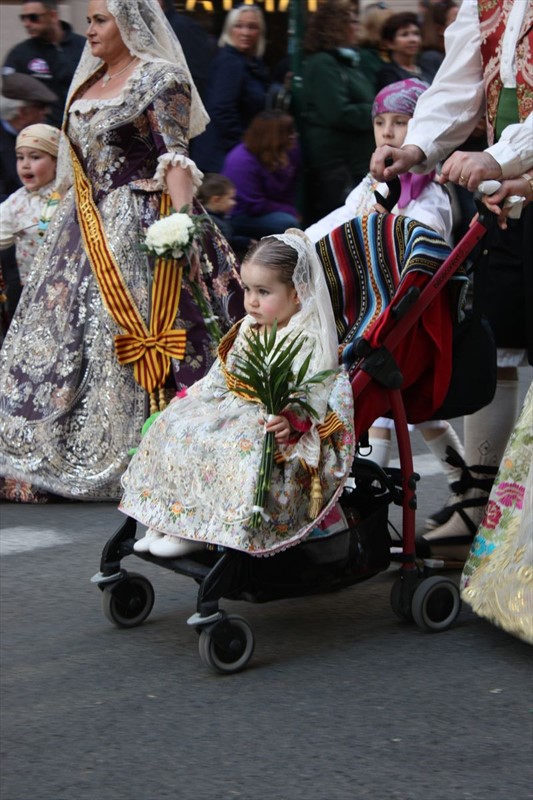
169	118
176	160
7	224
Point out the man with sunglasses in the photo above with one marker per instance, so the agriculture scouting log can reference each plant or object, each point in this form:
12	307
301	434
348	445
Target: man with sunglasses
50	54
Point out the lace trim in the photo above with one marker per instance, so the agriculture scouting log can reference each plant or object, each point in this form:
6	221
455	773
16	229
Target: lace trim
88	104
176	160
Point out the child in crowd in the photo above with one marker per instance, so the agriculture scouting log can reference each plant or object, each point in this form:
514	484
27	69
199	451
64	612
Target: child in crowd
217	195
193	479
426	201
422	198
36	149
20	222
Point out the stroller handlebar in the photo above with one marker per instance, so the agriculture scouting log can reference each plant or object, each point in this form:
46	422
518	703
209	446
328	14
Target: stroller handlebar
395	190
515	201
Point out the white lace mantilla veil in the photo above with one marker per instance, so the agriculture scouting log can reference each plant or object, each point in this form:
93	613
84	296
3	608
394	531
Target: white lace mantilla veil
317	320
316	315
147	34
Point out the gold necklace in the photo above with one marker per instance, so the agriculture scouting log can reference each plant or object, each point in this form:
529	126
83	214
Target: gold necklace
107	77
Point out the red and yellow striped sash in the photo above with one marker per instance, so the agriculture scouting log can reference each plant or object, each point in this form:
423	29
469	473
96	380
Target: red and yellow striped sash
149	349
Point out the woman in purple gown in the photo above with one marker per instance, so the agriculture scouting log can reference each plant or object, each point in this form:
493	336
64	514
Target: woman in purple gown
69	411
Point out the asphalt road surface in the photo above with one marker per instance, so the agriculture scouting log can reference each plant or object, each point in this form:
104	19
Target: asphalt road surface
341	700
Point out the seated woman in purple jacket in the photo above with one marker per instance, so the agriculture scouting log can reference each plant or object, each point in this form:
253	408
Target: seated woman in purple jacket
265	170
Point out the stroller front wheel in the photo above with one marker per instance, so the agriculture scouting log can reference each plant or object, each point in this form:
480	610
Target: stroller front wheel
128	602
436	604
227	646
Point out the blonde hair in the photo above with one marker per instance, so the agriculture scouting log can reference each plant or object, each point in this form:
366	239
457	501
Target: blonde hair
231	20
372	20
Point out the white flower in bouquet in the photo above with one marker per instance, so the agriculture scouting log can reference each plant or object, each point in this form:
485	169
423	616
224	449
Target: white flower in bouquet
171	236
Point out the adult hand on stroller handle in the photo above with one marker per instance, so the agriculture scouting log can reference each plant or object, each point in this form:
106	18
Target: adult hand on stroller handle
501	199
388	162
395	190
469	169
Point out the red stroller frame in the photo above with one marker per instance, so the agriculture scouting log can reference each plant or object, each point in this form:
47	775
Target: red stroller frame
226	641
434	603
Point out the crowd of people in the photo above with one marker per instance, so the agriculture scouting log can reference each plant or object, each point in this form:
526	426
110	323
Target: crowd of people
146	124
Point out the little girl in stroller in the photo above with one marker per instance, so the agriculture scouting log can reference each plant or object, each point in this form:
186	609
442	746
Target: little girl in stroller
193	479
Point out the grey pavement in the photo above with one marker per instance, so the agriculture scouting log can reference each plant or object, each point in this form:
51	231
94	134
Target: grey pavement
341	700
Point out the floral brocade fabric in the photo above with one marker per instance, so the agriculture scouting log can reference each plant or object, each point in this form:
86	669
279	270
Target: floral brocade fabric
497	579
196	470
69	412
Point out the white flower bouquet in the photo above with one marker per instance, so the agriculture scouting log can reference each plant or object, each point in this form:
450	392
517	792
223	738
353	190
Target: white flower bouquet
172	237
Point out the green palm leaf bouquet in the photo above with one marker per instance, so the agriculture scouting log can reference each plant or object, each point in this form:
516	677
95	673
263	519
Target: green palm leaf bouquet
266	375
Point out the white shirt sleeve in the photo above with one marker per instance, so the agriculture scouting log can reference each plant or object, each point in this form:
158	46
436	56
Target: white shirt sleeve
448	112
514	150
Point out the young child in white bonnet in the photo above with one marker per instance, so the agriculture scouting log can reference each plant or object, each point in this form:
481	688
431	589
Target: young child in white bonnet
36	150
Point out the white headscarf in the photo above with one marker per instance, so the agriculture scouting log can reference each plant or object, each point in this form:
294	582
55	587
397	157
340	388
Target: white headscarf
147	34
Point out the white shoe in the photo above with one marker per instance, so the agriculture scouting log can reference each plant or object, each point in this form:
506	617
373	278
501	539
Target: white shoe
174	547
143	545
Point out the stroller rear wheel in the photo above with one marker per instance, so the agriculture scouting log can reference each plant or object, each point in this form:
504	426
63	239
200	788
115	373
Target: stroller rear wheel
436	604
128	602
226	646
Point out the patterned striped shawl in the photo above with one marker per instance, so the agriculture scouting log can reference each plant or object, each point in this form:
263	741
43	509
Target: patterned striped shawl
371	259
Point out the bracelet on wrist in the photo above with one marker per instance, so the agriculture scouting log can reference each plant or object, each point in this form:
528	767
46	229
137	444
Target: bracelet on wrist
529	179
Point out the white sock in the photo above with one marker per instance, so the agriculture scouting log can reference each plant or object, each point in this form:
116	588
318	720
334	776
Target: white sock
486	435
488	430
438	445
380	453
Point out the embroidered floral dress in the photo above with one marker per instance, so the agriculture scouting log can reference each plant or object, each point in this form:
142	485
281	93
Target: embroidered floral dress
69	412
497	579
19	225
196	469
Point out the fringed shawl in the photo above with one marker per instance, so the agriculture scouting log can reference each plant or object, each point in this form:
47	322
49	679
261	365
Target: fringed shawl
367	262
364	260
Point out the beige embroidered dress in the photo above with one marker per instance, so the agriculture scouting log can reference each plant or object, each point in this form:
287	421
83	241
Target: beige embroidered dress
196	469
497	579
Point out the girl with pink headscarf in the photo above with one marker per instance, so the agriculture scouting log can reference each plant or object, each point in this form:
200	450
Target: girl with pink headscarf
426	201
421	198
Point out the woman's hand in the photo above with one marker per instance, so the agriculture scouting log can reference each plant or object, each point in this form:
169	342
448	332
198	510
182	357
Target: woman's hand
496	202
194	264
279	426
469	169
180	188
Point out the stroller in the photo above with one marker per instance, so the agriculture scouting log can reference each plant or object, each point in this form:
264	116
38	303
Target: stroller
381	382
